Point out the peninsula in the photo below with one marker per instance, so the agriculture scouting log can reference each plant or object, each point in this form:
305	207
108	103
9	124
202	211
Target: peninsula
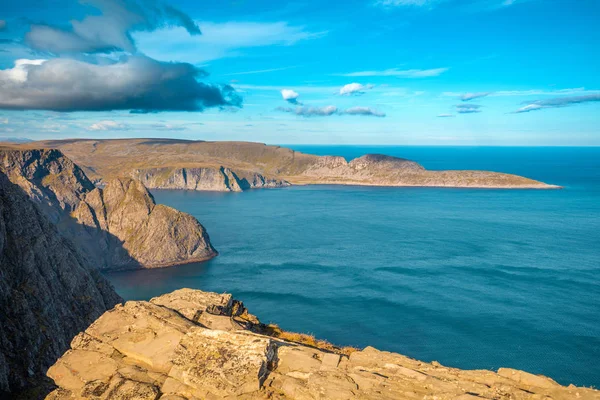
237	166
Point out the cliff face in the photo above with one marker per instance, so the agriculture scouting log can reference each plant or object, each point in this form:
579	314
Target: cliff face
119	226
179	164
195	345
48	291
211	179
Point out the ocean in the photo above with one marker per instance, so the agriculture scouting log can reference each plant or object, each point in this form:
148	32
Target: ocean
472	278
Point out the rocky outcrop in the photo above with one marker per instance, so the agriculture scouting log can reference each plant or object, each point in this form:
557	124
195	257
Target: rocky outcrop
195	345
48	291
210	179
165	160
118	226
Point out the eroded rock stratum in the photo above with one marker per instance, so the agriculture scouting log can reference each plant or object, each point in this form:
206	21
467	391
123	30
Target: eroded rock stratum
196	345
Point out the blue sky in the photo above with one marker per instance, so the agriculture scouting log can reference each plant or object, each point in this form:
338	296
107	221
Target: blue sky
442	72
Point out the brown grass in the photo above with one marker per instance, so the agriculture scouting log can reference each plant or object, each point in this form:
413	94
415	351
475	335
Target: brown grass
275	331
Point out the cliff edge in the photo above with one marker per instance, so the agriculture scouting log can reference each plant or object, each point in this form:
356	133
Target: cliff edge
190	345
118	226
48	291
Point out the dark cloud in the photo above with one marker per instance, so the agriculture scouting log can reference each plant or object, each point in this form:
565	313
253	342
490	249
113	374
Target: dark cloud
327	111
137	83
557	102
2	24
110	31
472	96
468	108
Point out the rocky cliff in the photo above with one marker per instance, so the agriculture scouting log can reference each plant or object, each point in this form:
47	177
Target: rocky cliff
211	179
118	226
195	345
48	291
168	163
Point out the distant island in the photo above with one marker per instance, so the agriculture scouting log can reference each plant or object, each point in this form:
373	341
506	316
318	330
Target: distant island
238	166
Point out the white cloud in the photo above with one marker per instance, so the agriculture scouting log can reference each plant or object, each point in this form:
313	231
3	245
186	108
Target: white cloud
446	115
18	73
290	95
219	40
108	125
354	88
407	73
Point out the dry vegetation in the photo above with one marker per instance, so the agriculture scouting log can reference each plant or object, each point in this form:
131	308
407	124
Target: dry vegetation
275	331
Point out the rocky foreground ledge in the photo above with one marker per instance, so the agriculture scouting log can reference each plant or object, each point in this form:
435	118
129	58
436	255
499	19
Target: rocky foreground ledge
197	345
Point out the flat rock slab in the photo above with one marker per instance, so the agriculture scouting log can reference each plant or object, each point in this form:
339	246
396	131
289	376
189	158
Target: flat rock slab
144	350
221	364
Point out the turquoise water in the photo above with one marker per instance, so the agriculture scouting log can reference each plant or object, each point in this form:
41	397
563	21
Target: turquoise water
470	278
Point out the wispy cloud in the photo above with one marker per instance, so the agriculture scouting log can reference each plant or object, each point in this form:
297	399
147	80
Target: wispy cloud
446	115
405	3
468	108
327	111
530	92
220	40
465	4
310	111
364	111
472	96
406	73
290	96
557	102
354	88
109	125
259	71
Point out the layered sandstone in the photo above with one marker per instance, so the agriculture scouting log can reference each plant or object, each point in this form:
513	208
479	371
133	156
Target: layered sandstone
195	345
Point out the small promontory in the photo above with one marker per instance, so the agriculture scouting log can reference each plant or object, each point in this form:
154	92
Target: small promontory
118	226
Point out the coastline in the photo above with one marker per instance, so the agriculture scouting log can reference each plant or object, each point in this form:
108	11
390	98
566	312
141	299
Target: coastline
541	186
